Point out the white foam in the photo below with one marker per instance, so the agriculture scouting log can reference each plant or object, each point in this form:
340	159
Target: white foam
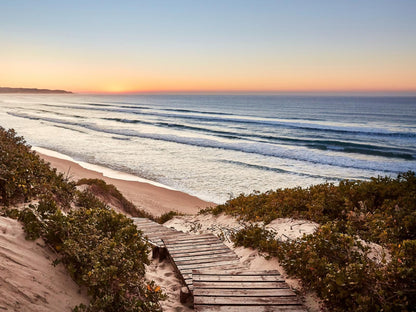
107	172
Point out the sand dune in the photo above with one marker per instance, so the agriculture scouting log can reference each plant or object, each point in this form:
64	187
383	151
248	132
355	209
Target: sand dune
28	280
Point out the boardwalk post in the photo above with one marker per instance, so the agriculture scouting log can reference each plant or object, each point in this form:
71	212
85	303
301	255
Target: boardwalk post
185	295
155	252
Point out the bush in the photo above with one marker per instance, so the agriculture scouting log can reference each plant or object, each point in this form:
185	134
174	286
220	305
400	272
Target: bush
102	250
167	216
382	210
336	266
24	176
332	261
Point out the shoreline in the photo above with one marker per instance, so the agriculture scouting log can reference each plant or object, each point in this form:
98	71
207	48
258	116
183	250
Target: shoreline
152	197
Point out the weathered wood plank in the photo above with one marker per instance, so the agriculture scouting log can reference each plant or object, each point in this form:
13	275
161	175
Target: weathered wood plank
238	278
155	230
202	253
205	260
240	308
246	300
206	256
240	285
208	265
206	250
190	238
187	248
186	237
236	272
256	292
193	241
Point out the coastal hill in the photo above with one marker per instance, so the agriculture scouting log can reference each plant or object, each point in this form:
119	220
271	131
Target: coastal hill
30	90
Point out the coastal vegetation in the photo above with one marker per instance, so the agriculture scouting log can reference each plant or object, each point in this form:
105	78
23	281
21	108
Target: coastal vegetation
102	250
335	261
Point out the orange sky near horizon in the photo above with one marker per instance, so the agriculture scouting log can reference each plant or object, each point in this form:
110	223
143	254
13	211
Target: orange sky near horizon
265	46
93	78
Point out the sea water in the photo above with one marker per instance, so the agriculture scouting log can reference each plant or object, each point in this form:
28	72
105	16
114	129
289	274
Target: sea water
218	146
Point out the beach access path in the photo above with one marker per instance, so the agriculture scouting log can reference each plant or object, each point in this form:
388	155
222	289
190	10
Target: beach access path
213	276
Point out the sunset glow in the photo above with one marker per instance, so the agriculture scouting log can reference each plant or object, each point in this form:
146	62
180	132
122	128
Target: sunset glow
268	46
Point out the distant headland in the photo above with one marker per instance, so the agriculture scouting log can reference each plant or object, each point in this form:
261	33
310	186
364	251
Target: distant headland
30	90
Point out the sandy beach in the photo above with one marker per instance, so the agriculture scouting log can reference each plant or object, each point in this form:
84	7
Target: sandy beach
151	198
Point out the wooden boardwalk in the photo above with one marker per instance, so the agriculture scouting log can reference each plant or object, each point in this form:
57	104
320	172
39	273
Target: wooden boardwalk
242	291
192	252
154	233
214	275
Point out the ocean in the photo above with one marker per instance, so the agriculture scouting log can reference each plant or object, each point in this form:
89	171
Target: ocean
218	146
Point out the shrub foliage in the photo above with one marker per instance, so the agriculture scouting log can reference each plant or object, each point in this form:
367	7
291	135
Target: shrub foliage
101	249
24	176
333	261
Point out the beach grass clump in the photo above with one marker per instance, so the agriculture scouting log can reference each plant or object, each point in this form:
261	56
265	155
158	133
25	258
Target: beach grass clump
24	176
335	261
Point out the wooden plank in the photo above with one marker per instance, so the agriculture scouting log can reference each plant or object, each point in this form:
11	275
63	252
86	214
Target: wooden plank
193	241
201	251
246	300
233	273
186	237
216	244
238	278
244	292
240	285
216	308
190	240
205	260
188	272
208	265
206	256
157	230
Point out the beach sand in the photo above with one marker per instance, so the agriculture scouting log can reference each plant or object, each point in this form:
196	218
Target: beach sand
151	198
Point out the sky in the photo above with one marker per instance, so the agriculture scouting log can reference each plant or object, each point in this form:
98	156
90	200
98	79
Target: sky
213	46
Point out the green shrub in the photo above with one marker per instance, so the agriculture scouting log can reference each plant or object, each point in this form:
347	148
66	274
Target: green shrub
31	224
167	216
24	176
382	210
102	250
337	267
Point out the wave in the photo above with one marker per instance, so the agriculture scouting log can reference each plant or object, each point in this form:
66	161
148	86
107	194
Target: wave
219	118
265	149
338	146
280	170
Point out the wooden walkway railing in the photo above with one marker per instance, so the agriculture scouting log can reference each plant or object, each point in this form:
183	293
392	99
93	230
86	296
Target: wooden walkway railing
214	275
